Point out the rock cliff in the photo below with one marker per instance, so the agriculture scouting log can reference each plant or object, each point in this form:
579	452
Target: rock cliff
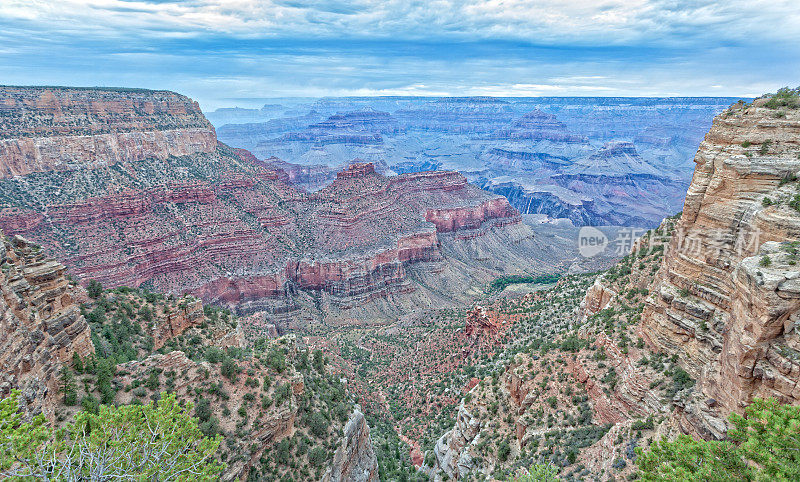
354	460
727	297
218	223
699	318
41	325
56	129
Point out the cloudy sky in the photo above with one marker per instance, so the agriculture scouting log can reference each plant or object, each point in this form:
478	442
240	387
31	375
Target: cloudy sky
237	52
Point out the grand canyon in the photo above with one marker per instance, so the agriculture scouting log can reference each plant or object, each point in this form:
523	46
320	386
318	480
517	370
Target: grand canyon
593	160
474	241
442	333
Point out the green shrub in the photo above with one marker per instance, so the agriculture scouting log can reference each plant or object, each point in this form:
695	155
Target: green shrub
318	425
282	393
785	97
276	359
765	445
503	451
539	473
317	456
229	369
94	289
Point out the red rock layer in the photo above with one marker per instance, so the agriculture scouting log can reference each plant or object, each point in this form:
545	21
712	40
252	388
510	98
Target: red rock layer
485	326
249	236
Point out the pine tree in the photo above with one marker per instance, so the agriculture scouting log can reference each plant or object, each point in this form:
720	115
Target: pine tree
134	442
68	387
77	362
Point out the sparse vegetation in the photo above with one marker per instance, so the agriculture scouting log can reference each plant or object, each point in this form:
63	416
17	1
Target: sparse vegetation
499	284
784	98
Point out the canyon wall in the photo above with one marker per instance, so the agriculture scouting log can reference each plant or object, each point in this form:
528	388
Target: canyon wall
180	216
700	318
527	149
57	129
359	234
41	325
727	297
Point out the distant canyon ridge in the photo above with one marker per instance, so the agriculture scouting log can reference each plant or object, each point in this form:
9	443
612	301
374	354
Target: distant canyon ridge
592	160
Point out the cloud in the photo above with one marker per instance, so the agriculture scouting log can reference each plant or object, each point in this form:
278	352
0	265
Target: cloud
580	22
220	49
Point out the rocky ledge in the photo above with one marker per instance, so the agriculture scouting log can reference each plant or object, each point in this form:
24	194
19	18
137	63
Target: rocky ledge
58	129
41	325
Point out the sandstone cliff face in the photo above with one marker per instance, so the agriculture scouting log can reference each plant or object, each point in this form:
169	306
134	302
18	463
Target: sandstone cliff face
58	129
40	325
727	297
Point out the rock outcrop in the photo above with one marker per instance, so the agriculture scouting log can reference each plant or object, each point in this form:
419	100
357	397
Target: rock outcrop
273	424
484	327
188	313
727	297
58	129
354	460
452	451
41	325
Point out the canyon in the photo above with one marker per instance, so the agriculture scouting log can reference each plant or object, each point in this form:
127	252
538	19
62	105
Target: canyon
690	327
357	323
58	340
199	217
594	161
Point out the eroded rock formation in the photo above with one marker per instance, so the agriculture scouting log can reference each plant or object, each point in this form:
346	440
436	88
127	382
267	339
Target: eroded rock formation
727	297
452	451
484	327
188	313
57	129
354	460
41	325
201	218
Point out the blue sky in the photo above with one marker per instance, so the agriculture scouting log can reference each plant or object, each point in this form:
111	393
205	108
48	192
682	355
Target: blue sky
224	52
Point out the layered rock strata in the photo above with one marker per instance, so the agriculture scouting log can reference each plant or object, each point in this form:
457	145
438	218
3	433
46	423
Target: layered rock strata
41	325
136	191
727	297
59	129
